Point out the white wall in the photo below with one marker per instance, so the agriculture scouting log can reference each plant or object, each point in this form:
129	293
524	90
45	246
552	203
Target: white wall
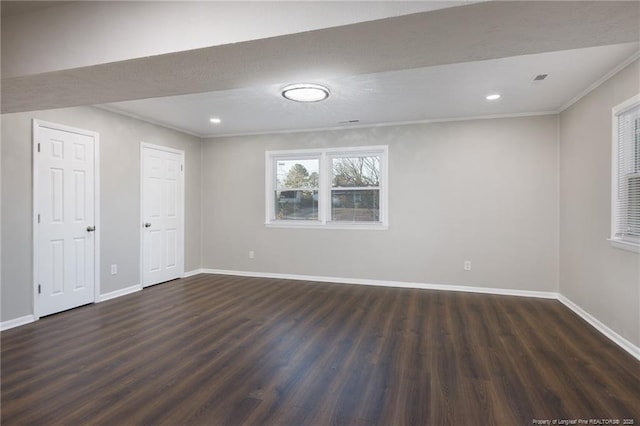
601	279
120	139
484	190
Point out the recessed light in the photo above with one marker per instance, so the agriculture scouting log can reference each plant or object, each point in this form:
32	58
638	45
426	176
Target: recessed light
215	120
305	92
493	97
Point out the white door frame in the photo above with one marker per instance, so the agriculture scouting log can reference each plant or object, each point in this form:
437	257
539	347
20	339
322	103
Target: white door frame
36	125
181	206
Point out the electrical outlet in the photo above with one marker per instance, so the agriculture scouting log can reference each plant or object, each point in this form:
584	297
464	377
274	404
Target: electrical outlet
252	254
114	269
467	265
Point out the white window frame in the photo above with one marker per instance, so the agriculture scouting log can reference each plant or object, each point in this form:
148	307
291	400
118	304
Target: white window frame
325	157
616	240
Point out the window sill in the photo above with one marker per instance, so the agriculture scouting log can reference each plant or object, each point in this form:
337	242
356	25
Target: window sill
319	225
624	245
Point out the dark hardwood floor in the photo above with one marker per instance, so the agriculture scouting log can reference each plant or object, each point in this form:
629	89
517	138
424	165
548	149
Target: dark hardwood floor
220	350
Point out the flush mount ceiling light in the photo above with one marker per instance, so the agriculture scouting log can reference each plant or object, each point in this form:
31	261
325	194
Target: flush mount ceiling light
305	92
215	120
493	97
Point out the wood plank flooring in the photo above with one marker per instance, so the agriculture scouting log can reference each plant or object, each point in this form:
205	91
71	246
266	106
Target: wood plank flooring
221	350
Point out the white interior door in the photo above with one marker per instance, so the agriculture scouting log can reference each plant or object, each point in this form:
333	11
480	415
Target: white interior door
65	237
162	214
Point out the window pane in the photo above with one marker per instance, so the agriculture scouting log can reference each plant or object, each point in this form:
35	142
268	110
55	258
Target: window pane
296	205
297	174
355	205
351	172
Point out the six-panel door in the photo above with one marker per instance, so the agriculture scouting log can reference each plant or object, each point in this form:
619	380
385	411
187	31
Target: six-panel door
162	211
66	238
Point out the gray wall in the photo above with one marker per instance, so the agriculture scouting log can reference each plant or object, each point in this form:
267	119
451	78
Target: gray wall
601	279
120	139
483	190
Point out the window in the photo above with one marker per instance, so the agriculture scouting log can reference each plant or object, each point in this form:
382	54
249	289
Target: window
330	188
625	227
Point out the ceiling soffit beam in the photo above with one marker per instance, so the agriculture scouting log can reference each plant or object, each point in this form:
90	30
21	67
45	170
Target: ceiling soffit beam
474	32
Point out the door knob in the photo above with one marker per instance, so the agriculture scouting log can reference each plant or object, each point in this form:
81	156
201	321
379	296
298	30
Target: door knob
91	228
147	225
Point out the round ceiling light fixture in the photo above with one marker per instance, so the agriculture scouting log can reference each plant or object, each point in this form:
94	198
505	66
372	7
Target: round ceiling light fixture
493	97
305	92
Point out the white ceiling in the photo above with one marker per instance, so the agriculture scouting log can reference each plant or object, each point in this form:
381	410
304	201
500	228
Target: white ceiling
422	62
429	93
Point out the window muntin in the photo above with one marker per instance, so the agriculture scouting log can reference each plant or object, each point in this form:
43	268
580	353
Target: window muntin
626	173
343	188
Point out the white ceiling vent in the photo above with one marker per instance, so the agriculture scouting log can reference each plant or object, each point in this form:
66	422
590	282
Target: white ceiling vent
540	77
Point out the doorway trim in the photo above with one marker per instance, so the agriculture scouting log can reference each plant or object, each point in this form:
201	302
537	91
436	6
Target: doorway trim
36	126
181	207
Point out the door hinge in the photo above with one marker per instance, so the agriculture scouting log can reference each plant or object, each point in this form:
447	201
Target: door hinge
39	289
38	146
38	217
181	168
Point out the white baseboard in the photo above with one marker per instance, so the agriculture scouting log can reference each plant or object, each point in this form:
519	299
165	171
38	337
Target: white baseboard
16	322
598	325
5	325
192	273
382	283
119	293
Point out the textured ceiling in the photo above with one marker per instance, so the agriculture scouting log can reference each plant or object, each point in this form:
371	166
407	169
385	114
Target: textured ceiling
430	93
433	65
468	33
